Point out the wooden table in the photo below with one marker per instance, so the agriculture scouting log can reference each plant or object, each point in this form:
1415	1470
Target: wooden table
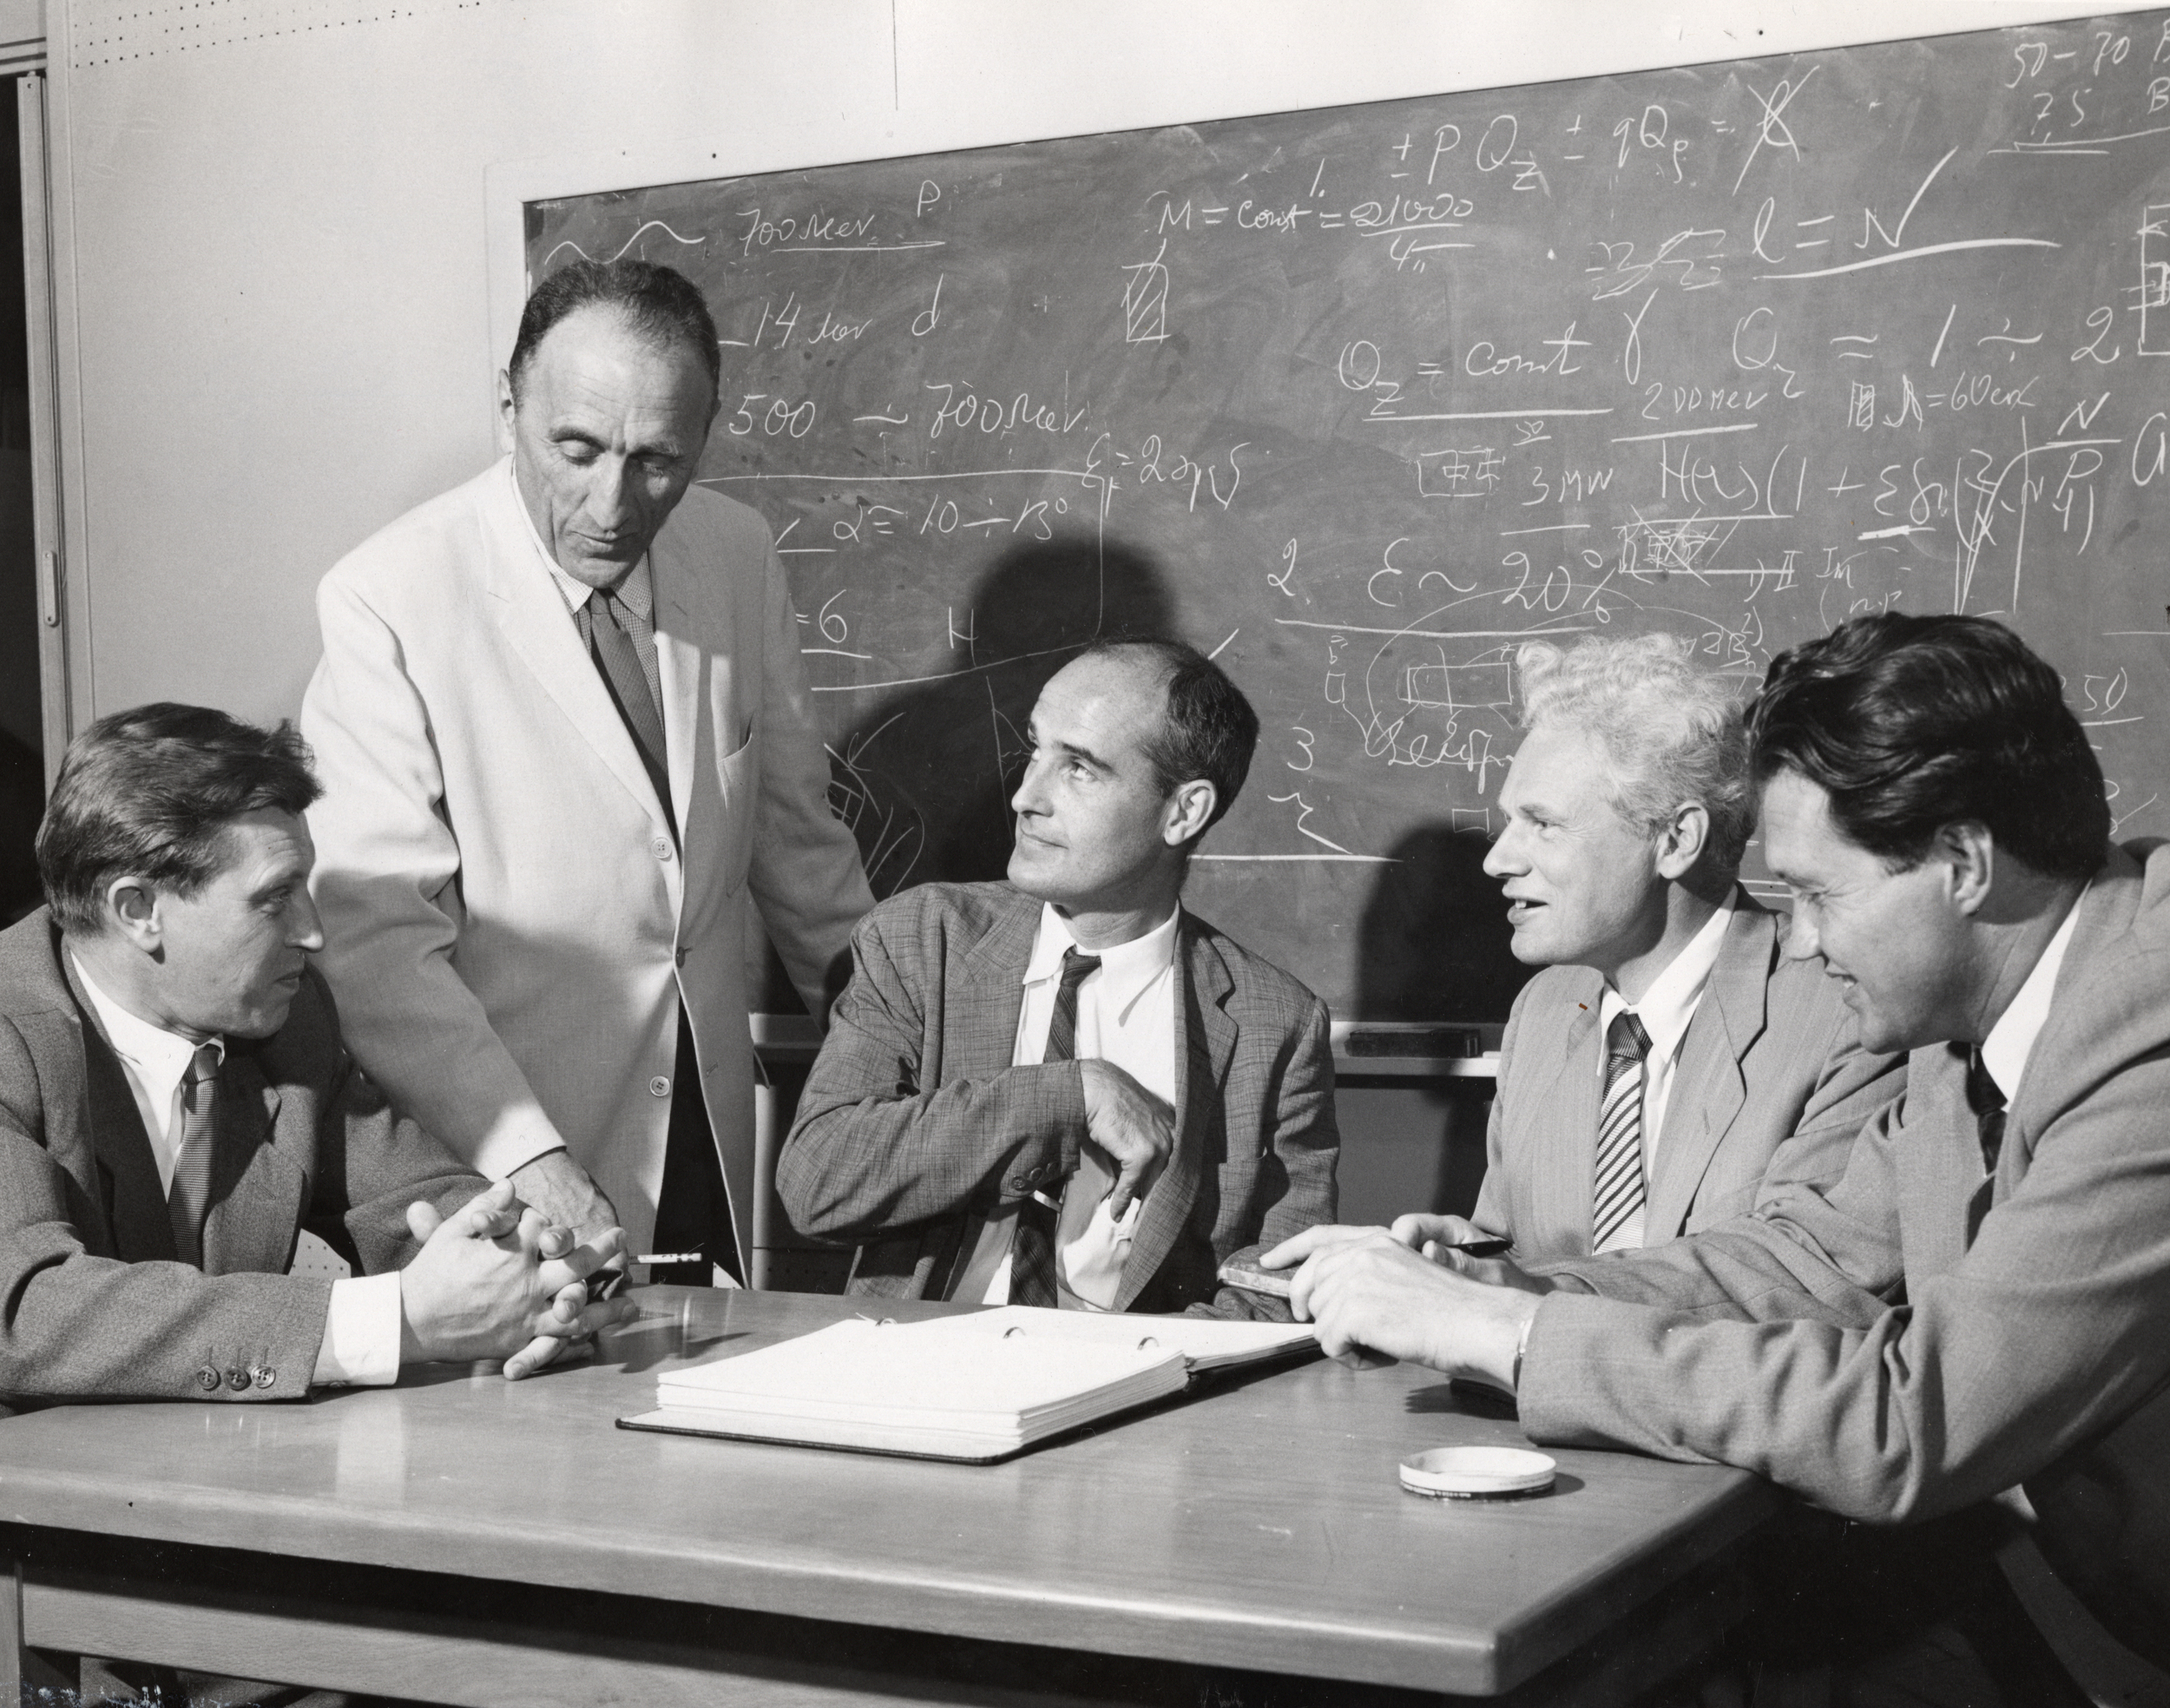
463	1538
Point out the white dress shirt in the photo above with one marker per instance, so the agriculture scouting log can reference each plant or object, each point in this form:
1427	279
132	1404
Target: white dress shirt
361	1334
1665	1011
1126	1016
2011	1041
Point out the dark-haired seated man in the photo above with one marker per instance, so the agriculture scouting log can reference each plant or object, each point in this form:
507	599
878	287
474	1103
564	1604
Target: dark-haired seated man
1980	1306
1065	1089
174	1106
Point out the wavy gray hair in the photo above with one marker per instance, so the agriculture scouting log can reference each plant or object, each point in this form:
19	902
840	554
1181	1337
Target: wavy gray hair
1670	733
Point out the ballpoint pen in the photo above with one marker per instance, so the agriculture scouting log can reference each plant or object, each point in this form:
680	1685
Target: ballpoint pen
1468	1248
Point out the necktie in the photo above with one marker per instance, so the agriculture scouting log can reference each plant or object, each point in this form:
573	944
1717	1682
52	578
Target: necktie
1619	1185
693	1210
611	629
1032	1247
1986	1099
188	1196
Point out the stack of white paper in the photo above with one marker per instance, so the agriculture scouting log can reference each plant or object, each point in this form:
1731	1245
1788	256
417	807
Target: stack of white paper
979	1386
1206	1343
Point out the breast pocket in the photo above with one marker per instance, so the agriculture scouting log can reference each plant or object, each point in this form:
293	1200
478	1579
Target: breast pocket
740	775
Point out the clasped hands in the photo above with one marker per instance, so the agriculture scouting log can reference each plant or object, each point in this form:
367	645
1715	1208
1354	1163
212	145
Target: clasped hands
1402	1292
496	1279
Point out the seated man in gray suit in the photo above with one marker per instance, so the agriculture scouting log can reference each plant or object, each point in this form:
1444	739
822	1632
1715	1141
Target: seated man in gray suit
1979	1308
174	1106
1672	1062
1065	1089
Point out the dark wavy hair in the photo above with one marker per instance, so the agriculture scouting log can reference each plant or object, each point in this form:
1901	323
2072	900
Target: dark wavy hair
1908	724
149	792
1208	727
662	306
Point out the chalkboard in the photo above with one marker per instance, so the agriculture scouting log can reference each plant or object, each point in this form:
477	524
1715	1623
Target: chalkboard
1358	400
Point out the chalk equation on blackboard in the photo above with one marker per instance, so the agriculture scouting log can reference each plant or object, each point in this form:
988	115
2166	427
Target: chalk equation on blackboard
1363	400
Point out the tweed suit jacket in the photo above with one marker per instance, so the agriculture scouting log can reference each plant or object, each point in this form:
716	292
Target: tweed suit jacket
1925	1334
1770	1087
94	1303
913	1118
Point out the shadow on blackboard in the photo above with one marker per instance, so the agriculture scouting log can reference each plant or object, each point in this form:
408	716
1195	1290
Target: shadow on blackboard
1432	944
924	778
1434	941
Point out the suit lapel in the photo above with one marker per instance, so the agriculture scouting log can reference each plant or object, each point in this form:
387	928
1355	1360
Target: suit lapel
1708	1087
682	663
1209	1043
128	1187
2105	915
979	1033
1946	1191
1569	1095
532	612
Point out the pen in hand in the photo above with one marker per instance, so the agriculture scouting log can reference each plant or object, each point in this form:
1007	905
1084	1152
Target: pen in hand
1468	1248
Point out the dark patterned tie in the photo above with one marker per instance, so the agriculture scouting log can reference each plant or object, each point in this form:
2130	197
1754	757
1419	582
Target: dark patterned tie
1619	1187
1986	1099
1032	1246
188	1196
607	624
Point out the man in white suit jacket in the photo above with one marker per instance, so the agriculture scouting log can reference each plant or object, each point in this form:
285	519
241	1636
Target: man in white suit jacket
521	896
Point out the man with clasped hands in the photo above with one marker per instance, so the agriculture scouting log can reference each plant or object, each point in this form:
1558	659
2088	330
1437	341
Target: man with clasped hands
567	745
175	1104
1065	1089
1980	1306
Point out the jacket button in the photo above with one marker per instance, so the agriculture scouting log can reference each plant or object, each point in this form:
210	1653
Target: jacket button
677	955
207	1379
264	1375
660	1086
237	1379
661	848
1020	1182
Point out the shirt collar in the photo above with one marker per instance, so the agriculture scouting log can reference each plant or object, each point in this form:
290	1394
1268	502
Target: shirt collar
1125	968
153	1051
637	588
1669	1004
2011	1041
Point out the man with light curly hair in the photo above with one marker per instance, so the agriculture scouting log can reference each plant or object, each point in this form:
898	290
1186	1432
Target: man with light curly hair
1670	1065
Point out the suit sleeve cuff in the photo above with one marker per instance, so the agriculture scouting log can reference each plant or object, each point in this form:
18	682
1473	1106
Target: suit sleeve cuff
361	1334
512	1143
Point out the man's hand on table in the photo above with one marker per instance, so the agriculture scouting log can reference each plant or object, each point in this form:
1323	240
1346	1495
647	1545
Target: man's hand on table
495	1280
1365	1288
1434	1238
559	1188
1134	1126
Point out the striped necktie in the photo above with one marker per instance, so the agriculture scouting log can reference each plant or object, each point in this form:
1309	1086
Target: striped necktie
1619	1187
188	1198
1032	1246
